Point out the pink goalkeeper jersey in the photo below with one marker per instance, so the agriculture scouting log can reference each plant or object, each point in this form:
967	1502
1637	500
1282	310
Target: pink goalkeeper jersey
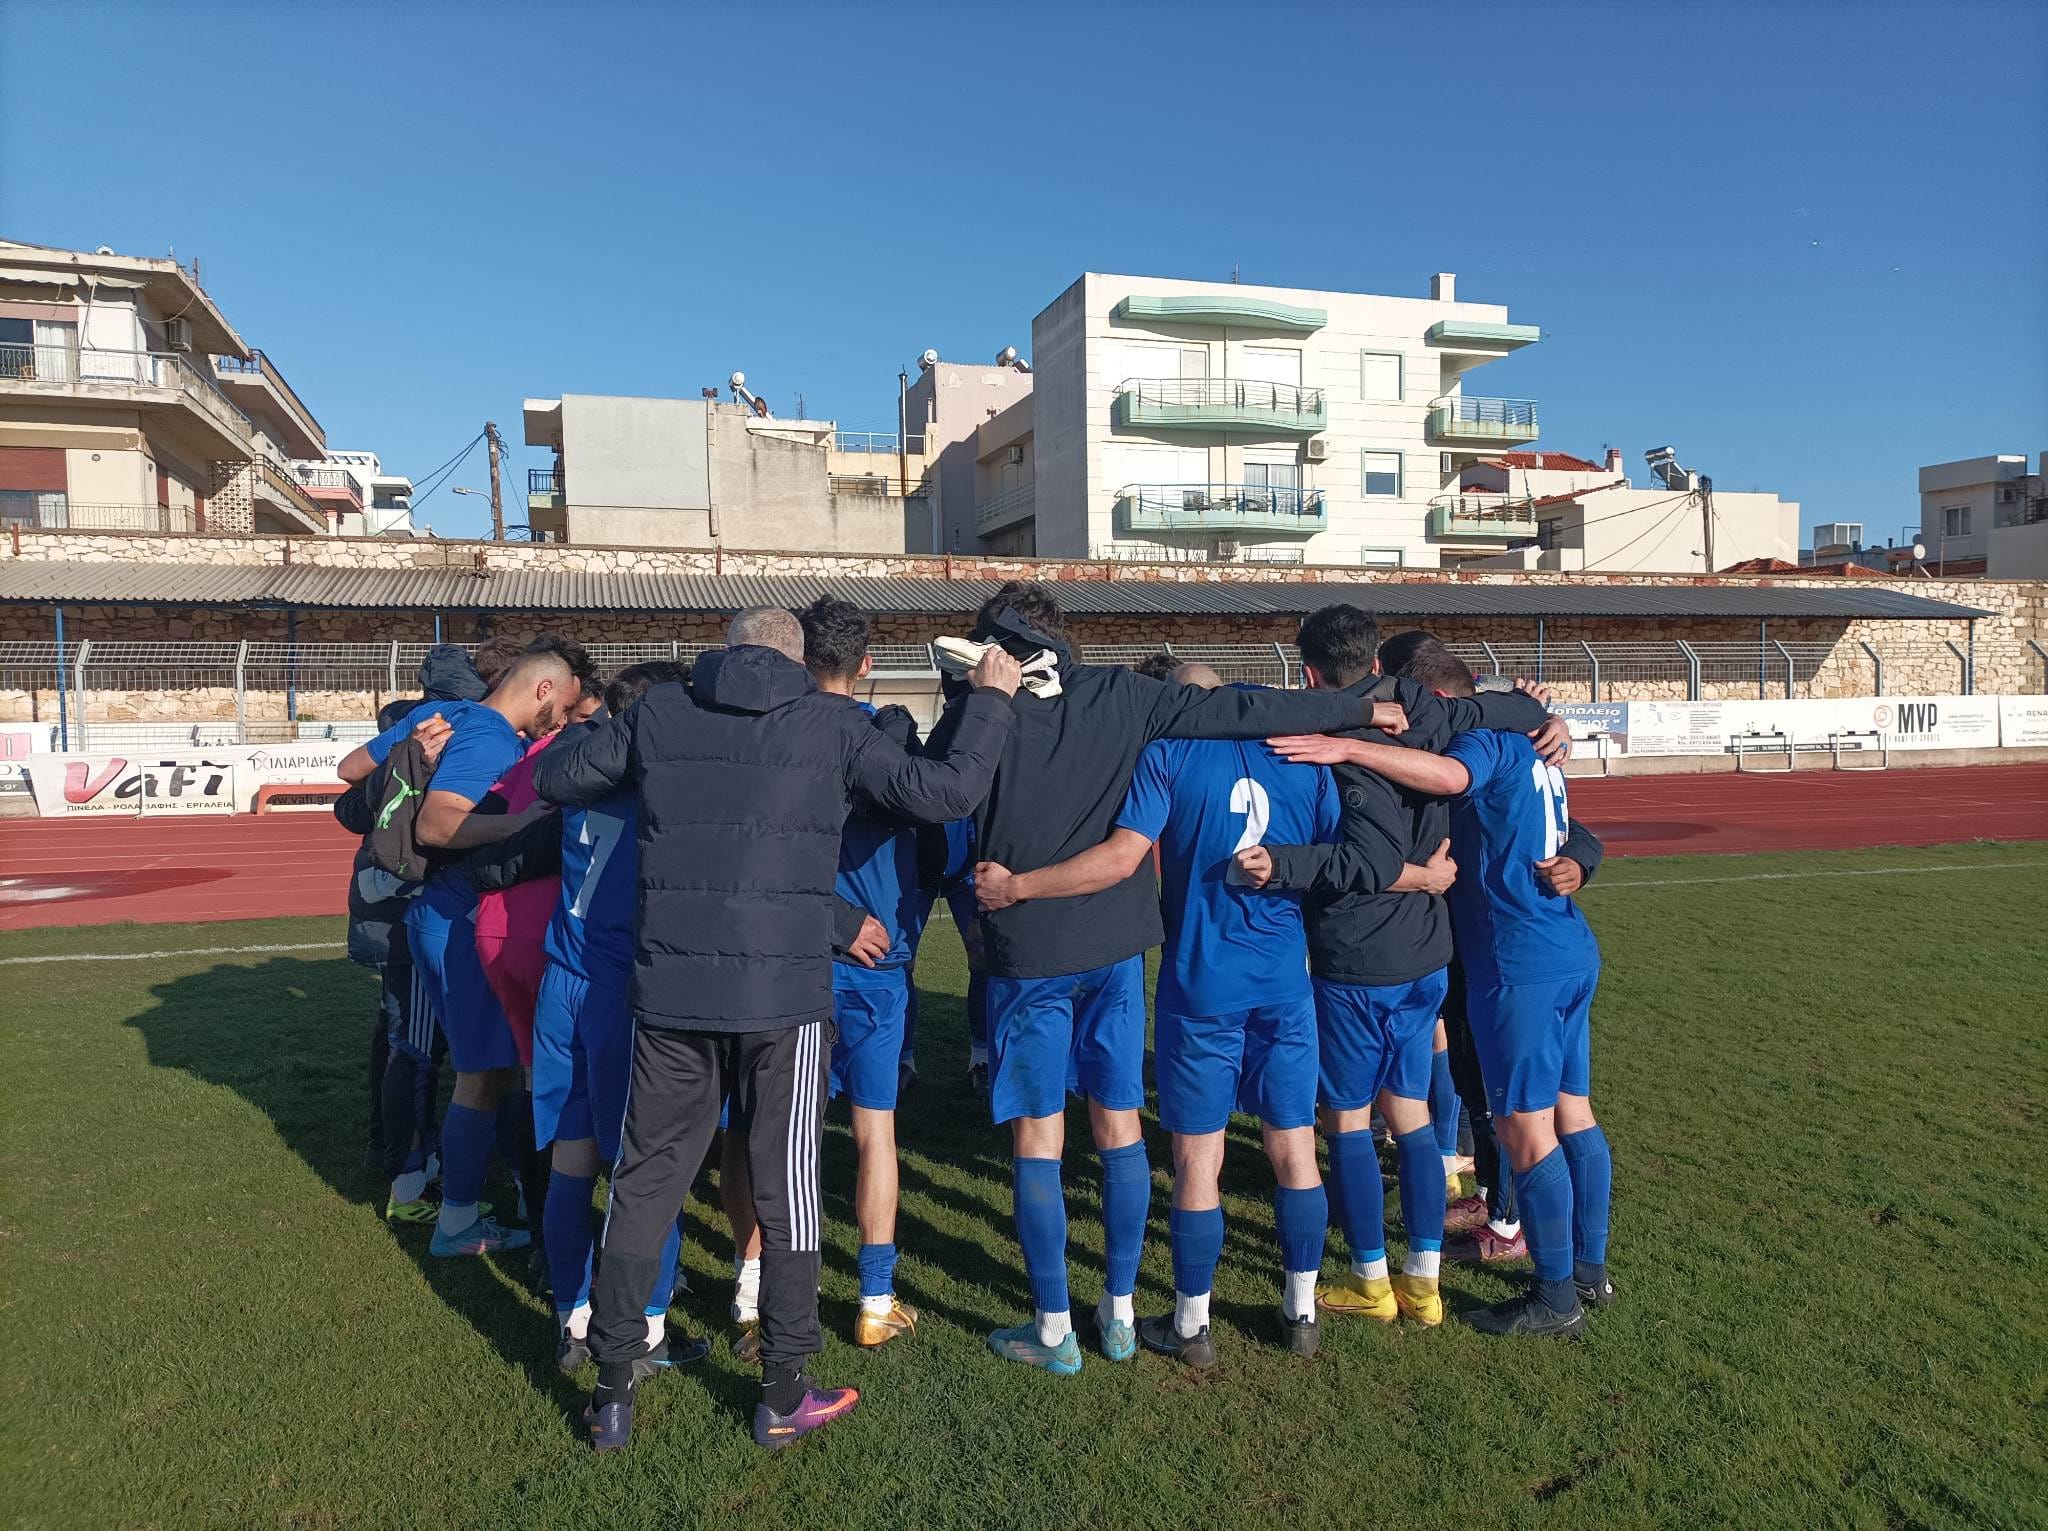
521	912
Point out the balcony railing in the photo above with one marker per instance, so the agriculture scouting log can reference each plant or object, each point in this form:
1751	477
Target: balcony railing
1241	405
288	490
260	365
1455	517
90	369
1483	420
1010	506
56	512
332	479
877	441
543	481
1222	507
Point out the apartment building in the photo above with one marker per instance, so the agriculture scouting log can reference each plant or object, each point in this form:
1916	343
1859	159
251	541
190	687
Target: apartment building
948	408
356	495
128	402
1215	420
1984	513
698	473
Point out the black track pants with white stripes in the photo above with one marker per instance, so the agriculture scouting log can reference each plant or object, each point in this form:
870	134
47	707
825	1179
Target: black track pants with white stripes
777	1083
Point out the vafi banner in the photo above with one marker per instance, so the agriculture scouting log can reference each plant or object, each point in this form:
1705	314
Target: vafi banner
223	779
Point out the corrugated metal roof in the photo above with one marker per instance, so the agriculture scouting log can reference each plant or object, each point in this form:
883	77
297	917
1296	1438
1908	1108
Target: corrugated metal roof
24	581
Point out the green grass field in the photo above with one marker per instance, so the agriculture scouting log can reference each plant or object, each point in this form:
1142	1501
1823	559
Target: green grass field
1825	1094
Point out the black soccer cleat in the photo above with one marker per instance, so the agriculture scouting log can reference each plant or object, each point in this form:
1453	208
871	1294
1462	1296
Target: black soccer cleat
1529	1315
1161	1334
610	1426
674	1350
1598	1293
572	1353
1303	1334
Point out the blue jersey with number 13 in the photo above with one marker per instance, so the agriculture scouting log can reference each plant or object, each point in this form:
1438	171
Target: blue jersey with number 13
1228	946
591	933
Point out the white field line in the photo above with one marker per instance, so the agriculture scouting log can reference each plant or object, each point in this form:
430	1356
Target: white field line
1688	882
189	951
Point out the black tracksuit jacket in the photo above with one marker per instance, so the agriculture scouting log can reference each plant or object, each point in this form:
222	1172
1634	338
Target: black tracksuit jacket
746	776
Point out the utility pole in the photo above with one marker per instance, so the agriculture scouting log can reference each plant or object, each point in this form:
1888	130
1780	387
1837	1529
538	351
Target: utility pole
497	446
1706	494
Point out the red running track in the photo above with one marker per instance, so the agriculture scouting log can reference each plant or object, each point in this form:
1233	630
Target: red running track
156	871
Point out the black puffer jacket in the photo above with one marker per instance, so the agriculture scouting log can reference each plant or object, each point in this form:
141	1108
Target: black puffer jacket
746	776
377	900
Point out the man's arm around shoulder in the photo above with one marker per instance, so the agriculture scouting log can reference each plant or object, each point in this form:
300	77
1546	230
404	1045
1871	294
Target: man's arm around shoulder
574	771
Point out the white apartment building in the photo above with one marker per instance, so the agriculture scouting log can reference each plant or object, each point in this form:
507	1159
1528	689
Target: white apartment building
945	412
1979	506
1213	420
356	495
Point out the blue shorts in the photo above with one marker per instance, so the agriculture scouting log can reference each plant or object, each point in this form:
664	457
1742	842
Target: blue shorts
408	1003
1261	1062
1083	1032
1377	1037
869	1007
1534	1040
582	1060
479	1036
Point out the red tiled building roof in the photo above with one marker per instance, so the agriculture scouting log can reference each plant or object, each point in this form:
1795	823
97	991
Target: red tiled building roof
1546	462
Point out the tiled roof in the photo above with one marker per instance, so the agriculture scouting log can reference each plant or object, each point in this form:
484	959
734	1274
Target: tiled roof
1546	462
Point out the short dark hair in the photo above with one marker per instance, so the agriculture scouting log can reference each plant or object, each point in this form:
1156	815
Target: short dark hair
636	680
1428	661
835	637
594	686
1031	601
493	657
570	652
1158	666
1340	641
1397	651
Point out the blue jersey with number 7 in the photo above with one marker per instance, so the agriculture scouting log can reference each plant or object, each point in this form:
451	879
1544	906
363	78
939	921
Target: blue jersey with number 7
1228	946
591	933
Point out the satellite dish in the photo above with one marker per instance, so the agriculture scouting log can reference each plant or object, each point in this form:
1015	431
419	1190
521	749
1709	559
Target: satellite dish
1920	550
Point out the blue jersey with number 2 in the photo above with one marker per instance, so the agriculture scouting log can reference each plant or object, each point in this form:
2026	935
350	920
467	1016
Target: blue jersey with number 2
591	933
1228	946
1510	927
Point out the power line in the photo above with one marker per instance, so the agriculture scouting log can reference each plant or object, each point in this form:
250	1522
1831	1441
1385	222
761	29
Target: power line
441	475
1676	512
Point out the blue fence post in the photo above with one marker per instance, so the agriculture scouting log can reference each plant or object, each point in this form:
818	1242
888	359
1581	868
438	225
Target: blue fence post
437	627
1539	651
1763	630
63	688
291	665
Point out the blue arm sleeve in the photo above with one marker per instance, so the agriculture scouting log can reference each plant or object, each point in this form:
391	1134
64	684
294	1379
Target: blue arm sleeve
386	742
1328	812
1479	752
1150	795
473	761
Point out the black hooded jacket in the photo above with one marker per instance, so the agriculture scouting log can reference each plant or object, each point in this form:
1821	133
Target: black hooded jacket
1358	933
1062	781
746	776
377	900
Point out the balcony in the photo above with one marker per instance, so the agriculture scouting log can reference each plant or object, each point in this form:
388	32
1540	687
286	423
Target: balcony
334	489
162	384
1221	508
58	512
544	489
1006	509
1481	518
1484	422
280	488
260	391
1232	406
1244	311
1485	339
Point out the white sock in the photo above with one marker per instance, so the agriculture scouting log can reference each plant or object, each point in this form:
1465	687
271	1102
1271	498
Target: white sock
657	1329
1190	1314
410	1186
433	1166
977	1054
1054	1327
878	1306
1422	1262
1115	1310
576	1322
1298	1296
455	1218
1505	1230
1371	1270
746	1292
1450	1166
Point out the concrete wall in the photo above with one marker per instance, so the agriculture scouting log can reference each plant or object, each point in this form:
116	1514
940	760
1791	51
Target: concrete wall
631	464
1060	411
1624	530
2019	552
1970	483
948	404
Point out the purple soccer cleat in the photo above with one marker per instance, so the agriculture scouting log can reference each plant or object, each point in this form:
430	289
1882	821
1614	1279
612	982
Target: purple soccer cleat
818	1408
610	1425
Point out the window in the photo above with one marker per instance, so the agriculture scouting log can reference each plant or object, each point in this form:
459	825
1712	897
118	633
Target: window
1955	521
1270	364
1379	376
34	507
1546	533
1382	558
1272	475
1382	475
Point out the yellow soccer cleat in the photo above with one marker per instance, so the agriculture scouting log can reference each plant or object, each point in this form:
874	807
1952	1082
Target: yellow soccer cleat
1360	1297
873	1329
1419	1299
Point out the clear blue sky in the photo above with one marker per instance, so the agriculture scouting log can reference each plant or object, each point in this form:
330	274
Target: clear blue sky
1806	244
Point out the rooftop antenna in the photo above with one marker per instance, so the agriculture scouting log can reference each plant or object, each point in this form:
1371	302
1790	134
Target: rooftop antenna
1233	273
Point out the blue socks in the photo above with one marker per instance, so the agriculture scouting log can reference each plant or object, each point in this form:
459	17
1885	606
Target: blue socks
877	1270
1443	1104
567	1236
466	1138
1361	1199
1591	1168
1301	1217
665	1274
1544	1194
1422	1196
1126	1205
1041	1207
1197	1245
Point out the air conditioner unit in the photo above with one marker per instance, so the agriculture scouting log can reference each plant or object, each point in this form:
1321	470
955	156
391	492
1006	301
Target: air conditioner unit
178	334
1317	450
1444	464
1016	457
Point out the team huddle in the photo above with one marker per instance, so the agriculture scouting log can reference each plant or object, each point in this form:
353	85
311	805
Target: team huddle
682	908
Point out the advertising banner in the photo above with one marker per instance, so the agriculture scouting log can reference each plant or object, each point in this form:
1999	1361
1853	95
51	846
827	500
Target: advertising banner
1907	723
18	741
223	779
2023	721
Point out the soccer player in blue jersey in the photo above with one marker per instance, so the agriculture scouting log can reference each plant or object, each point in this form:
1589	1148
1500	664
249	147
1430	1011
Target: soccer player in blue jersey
488	739
583	1043
878	873
1235	1023
1531	965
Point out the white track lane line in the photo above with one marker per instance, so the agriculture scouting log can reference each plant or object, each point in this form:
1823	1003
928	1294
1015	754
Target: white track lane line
1688	882
189	951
